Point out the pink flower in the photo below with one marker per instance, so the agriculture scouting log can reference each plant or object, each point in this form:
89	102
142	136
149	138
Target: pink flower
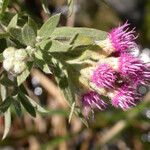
133	69
90	101
104	76
125	97
122	38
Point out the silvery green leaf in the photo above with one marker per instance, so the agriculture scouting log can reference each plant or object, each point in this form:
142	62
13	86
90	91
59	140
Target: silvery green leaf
64	82
33	25
16	33
41	63
55	46
49	26
66	33
28	35
13	22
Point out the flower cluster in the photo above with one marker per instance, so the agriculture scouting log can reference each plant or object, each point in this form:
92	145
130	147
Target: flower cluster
14	60
120	75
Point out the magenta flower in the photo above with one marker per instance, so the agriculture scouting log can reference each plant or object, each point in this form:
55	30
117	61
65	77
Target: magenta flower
122	38
90	101
134	69
125	97
104	76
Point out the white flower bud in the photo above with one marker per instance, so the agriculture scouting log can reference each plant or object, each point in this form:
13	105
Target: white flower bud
9	53
8	64
19	67
20	54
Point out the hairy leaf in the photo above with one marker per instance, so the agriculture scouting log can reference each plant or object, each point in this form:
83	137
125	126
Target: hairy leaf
28	35
49	26
39	60
66	33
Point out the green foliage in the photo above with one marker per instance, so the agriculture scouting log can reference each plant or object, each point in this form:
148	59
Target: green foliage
26	104
41	63
4	6
13	22
49	48
48	27
17	106
28	35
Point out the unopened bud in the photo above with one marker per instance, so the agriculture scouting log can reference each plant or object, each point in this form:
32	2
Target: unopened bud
19	67
8	64
106	45
20	54
9	53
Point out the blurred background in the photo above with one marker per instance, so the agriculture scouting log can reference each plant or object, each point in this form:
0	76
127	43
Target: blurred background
111	129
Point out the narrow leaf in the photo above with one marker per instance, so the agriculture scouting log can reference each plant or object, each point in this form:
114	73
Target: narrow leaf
26	104
37	106
13	22
5	104
4	80
71	112
7	120
17	107
45	6
1	57
7	114
70	5
49	26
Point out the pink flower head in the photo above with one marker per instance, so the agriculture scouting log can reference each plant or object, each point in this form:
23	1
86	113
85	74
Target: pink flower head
122	38
90	101
104	76
133	69
125	97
